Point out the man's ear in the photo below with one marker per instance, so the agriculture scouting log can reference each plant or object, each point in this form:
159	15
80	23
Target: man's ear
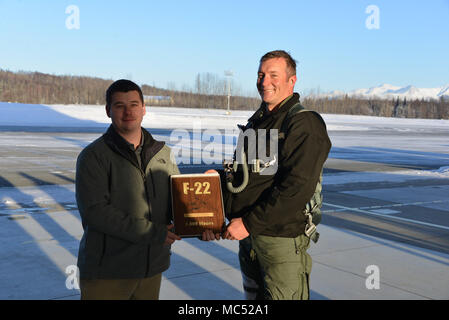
107	111
292	80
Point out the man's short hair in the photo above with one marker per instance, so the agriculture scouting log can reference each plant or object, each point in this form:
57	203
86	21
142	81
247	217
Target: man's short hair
121	85
291	63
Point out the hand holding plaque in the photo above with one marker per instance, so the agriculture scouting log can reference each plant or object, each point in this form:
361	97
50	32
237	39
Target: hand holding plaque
197	204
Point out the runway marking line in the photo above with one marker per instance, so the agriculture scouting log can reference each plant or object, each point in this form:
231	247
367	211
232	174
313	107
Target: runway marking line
388	216
400	204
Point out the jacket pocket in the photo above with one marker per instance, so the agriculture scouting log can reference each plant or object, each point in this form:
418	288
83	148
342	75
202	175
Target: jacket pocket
93	250
274	249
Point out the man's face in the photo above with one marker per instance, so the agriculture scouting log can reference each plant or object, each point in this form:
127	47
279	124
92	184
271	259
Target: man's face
273	82
126	111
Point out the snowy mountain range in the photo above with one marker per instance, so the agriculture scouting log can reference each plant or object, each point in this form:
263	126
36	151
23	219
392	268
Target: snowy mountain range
387	91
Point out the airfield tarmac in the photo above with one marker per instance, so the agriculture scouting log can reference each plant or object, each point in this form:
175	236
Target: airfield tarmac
378	210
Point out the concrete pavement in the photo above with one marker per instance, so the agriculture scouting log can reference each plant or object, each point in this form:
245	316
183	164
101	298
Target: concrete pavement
41	246
376	226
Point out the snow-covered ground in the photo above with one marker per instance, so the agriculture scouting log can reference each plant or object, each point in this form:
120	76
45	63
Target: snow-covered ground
353	137
18	114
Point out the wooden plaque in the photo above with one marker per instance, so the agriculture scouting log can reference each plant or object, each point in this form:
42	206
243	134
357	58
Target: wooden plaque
197	204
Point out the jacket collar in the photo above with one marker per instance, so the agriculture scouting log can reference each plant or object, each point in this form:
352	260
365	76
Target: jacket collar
150	147
285	105
118	144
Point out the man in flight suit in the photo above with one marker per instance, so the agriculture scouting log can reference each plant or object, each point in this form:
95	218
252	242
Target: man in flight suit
267	216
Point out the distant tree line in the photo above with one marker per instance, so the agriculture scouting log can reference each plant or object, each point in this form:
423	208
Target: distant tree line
41	88
36	87
210	92
401	108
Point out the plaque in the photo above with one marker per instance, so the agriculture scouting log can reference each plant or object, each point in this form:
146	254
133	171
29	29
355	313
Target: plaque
197	204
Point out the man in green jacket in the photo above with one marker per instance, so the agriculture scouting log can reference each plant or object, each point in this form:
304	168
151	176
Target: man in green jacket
267	216
123	196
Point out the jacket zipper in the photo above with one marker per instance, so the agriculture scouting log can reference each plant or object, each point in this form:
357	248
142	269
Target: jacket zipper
152	183
142	173
103	251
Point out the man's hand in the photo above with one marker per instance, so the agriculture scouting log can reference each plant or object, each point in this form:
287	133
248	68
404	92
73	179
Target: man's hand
208	235
171	237
236	230
211	171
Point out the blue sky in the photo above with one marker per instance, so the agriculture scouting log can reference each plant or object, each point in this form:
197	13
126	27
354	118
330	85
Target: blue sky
170	42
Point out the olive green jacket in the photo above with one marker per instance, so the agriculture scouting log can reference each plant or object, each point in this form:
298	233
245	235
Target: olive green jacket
124	210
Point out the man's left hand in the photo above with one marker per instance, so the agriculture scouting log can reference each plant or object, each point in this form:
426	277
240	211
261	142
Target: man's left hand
208	235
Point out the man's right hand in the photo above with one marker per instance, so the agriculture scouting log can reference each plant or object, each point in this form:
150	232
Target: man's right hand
171	237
